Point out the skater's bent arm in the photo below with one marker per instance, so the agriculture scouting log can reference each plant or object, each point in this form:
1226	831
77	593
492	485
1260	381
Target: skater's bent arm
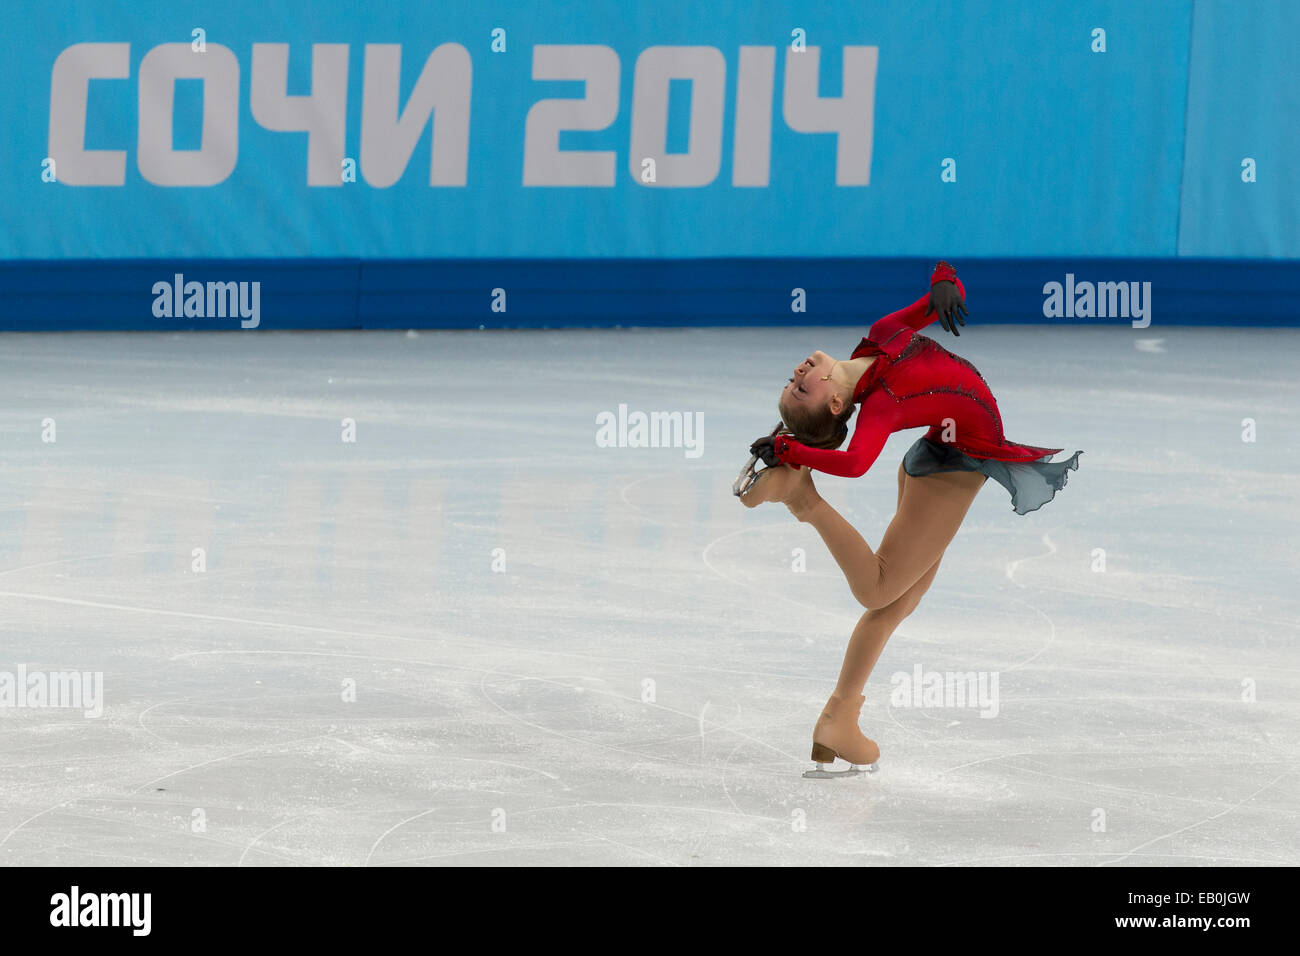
878	418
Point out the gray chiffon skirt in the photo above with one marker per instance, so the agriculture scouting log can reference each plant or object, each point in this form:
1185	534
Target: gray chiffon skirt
1032	484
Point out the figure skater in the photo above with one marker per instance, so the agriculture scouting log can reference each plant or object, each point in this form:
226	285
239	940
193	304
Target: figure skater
900	379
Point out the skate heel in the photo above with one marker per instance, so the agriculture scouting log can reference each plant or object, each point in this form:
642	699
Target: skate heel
824	757
822	754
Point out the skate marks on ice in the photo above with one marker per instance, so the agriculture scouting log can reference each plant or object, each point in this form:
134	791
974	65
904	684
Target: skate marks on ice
523	693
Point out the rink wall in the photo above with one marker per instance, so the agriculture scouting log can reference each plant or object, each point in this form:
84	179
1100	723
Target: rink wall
489	164
470	293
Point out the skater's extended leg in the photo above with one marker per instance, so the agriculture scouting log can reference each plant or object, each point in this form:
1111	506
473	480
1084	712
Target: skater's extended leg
930	511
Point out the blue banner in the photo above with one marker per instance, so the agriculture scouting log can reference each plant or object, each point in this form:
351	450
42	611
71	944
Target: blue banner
1241	177
672	129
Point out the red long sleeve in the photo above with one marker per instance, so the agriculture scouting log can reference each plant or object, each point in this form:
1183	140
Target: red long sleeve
879	415
878	418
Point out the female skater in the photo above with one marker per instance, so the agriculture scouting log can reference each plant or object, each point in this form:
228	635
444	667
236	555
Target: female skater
900	379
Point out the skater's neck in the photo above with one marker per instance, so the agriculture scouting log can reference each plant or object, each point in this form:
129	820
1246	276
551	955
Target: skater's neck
848	373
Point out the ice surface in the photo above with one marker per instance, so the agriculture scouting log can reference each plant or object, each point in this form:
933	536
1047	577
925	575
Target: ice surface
506	717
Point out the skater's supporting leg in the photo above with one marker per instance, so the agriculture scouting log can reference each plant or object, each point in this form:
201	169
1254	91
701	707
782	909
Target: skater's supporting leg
873	631
876	626
930	511
837	733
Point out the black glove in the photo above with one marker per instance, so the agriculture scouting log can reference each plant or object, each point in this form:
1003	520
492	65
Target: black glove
765	449
946	300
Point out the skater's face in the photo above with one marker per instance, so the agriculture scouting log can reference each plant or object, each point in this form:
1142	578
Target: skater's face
810	387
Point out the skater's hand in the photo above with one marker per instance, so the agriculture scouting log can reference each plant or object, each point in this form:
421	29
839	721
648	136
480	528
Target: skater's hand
769	449
946	301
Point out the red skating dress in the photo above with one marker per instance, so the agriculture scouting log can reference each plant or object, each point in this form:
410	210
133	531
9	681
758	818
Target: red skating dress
915	382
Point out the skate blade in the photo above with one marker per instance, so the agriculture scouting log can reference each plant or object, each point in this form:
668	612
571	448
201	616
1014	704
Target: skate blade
821	773
748	479
750	474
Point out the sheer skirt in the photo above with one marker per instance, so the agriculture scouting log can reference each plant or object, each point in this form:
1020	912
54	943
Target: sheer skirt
1031	484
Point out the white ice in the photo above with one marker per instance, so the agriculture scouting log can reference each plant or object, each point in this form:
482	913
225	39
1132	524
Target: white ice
1147	711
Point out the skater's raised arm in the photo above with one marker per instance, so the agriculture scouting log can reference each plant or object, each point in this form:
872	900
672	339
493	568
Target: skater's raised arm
945	301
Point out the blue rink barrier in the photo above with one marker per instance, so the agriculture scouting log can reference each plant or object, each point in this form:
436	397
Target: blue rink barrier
269	294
